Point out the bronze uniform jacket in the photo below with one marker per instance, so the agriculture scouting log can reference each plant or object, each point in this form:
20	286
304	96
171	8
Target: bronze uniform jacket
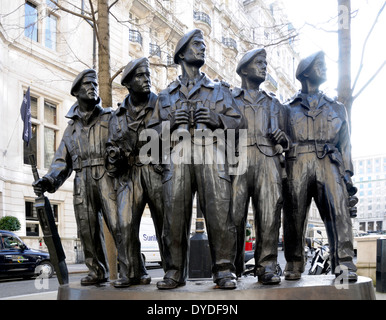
327	124
81	146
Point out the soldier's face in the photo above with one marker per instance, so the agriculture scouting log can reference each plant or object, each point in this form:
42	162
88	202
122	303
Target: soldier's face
140	81
194	53
317	73
88	89
256	69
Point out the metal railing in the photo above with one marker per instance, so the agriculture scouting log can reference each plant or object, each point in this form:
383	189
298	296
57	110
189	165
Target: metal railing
135	36
202	16
154	50
229	42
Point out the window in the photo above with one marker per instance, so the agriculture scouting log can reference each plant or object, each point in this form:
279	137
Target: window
49	133
31	218
40	24
44	131
31	21
49	146
11	242
50	31
51	5
32	146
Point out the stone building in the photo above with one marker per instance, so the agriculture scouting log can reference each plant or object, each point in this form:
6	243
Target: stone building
44	47
370	179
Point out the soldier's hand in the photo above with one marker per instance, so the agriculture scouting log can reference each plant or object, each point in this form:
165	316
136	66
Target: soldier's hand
181	116
207	116
279	137
40	186
351	189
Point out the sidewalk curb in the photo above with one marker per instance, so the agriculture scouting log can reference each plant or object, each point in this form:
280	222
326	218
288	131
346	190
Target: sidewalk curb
77	268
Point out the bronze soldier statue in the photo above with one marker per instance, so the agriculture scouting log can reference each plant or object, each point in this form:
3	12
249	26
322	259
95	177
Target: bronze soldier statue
138	184
193	101
262	182
319	166
83	150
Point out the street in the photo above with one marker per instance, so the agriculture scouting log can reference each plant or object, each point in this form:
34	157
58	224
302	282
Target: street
19	288
24	287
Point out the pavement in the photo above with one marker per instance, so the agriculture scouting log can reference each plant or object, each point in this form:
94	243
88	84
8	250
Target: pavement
81	268
77	268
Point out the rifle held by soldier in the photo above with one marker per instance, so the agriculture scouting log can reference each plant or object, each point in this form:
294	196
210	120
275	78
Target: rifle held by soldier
50	232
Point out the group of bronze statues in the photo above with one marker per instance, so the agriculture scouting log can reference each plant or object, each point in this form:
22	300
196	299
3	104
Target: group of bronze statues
113	182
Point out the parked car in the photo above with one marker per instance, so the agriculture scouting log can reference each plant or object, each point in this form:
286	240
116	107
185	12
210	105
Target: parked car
17	260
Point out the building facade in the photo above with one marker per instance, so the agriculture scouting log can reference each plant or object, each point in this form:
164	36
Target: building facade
370	179
44	46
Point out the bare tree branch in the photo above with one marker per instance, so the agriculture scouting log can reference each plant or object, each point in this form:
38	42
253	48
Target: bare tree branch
370	80
364	48
85	17
114	3
9	13
116	74
94	21
320	28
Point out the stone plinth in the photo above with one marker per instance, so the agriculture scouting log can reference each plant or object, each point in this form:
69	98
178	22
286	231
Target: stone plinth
307	288
367	256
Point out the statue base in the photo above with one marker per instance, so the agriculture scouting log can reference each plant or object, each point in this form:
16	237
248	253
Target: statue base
324	287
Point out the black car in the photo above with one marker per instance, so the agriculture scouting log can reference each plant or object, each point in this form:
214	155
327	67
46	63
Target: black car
16	259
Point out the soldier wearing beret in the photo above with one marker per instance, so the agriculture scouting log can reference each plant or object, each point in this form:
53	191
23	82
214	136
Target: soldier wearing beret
193	101
138	184
318	166
262	180
83	149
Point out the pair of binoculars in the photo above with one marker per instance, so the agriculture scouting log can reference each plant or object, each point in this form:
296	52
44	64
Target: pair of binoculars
192	108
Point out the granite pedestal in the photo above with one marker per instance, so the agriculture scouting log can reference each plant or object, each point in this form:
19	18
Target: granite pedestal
324	287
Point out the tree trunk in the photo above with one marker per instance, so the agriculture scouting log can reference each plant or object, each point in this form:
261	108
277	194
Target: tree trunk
105	93
103	27
344	62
